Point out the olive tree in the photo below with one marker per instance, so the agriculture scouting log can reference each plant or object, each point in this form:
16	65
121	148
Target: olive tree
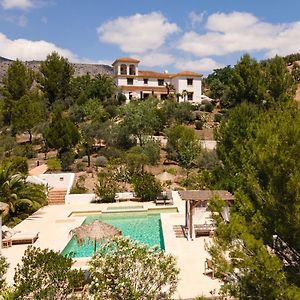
126	269
45	274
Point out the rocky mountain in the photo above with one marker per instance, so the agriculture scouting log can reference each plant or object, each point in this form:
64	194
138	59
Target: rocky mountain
80	69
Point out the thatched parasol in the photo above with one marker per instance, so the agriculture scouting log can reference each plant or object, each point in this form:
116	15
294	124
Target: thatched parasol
165	176
4	208
94	231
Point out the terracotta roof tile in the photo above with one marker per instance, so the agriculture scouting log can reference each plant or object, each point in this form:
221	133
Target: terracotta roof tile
187	73
126	59
131	88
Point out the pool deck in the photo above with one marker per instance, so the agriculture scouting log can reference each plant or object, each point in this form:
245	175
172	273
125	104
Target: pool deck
55	222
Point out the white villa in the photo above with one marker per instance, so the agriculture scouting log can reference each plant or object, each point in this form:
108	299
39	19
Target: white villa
135	83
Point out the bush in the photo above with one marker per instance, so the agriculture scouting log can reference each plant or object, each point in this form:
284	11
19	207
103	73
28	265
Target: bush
79	187
110	152
218	118
199	124
209	107
85	159
25	150
106	187
146	187
132	270
45	274
207	160
152	150
101	161
3	269
172	171
54	164
17	163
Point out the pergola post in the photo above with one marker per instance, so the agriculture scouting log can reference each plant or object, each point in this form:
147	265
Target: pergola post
191	227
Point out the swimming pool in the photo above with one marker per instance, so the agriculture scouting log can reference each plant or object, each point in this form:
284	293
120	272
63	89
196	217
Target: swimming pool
143	227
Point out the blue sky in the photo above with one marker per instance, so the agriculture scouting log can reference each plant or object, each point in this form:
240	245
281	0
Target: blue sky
167	34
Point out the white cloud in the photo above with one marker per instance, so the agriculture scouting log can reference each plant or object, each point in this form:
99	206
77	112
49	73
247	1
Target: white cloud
196	18
18	4
242	32
155	59
31	50
205	65
235	21
138	33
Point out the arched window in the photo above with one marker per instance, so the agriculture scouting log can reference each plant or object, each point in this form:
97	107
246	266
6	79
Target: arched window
123	69
132	70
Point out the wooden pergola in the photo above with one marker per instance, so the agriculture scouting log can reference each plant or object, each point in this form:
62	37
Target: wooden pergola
194	198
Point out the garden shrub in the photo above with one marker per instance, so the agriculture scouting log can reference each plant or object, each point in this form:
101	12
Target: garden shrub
199	124
146	187
218	118
126	268
25	150
101	161
85	159
17	164
209	107
45	274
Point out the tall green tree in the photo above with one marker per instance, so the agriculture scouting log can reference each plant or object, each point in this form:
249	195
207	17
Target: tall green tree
141	119
16	84
18	80
280	82
259	152
61	134
56	75
28	112
247	82
183	145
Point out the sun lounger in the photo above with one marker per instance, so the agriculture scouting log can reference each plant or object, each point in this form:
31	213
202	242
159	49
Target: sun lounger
164	198
24	238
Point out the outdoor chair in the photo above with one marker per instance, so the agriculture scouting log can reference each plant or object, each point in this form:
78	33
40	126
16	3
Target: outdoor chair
209	268
164	198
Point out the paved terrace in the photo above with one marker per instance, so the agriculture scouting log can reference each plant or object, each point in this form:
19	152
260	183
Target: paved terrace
54	224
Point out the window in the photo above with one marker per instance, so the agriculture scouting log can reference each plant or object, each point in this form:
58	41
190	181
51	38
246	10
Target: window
190	96
123	68
129	81
132	70
145	80
190	81
161	82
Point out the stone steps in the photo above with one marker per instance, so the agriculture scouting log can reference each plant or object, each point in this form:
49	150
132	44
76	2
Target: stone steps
56	196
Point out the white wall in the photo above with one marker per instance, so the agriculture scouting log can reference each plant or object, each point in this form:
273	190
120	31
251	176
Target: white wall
59	181
79	198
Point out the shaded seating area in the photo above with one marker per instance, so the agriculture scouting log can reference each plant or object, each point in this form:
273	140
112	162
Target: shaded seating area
198	220
12	237
164	198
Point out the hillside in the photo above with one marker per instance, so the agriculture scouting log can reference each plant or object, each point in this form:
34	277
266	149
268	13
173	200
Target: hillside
80	69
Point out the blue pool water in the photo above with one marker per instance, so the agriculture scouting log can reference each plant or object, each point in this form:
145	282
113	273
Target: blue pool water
142	227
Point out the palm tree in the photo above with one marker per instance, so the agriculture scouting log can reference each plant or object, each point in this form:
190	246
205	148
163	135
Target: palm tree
170	87
21	196
184	94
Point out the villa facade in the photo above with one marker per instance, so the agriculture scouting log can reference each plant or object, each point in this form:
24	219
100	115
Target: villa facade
135	83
